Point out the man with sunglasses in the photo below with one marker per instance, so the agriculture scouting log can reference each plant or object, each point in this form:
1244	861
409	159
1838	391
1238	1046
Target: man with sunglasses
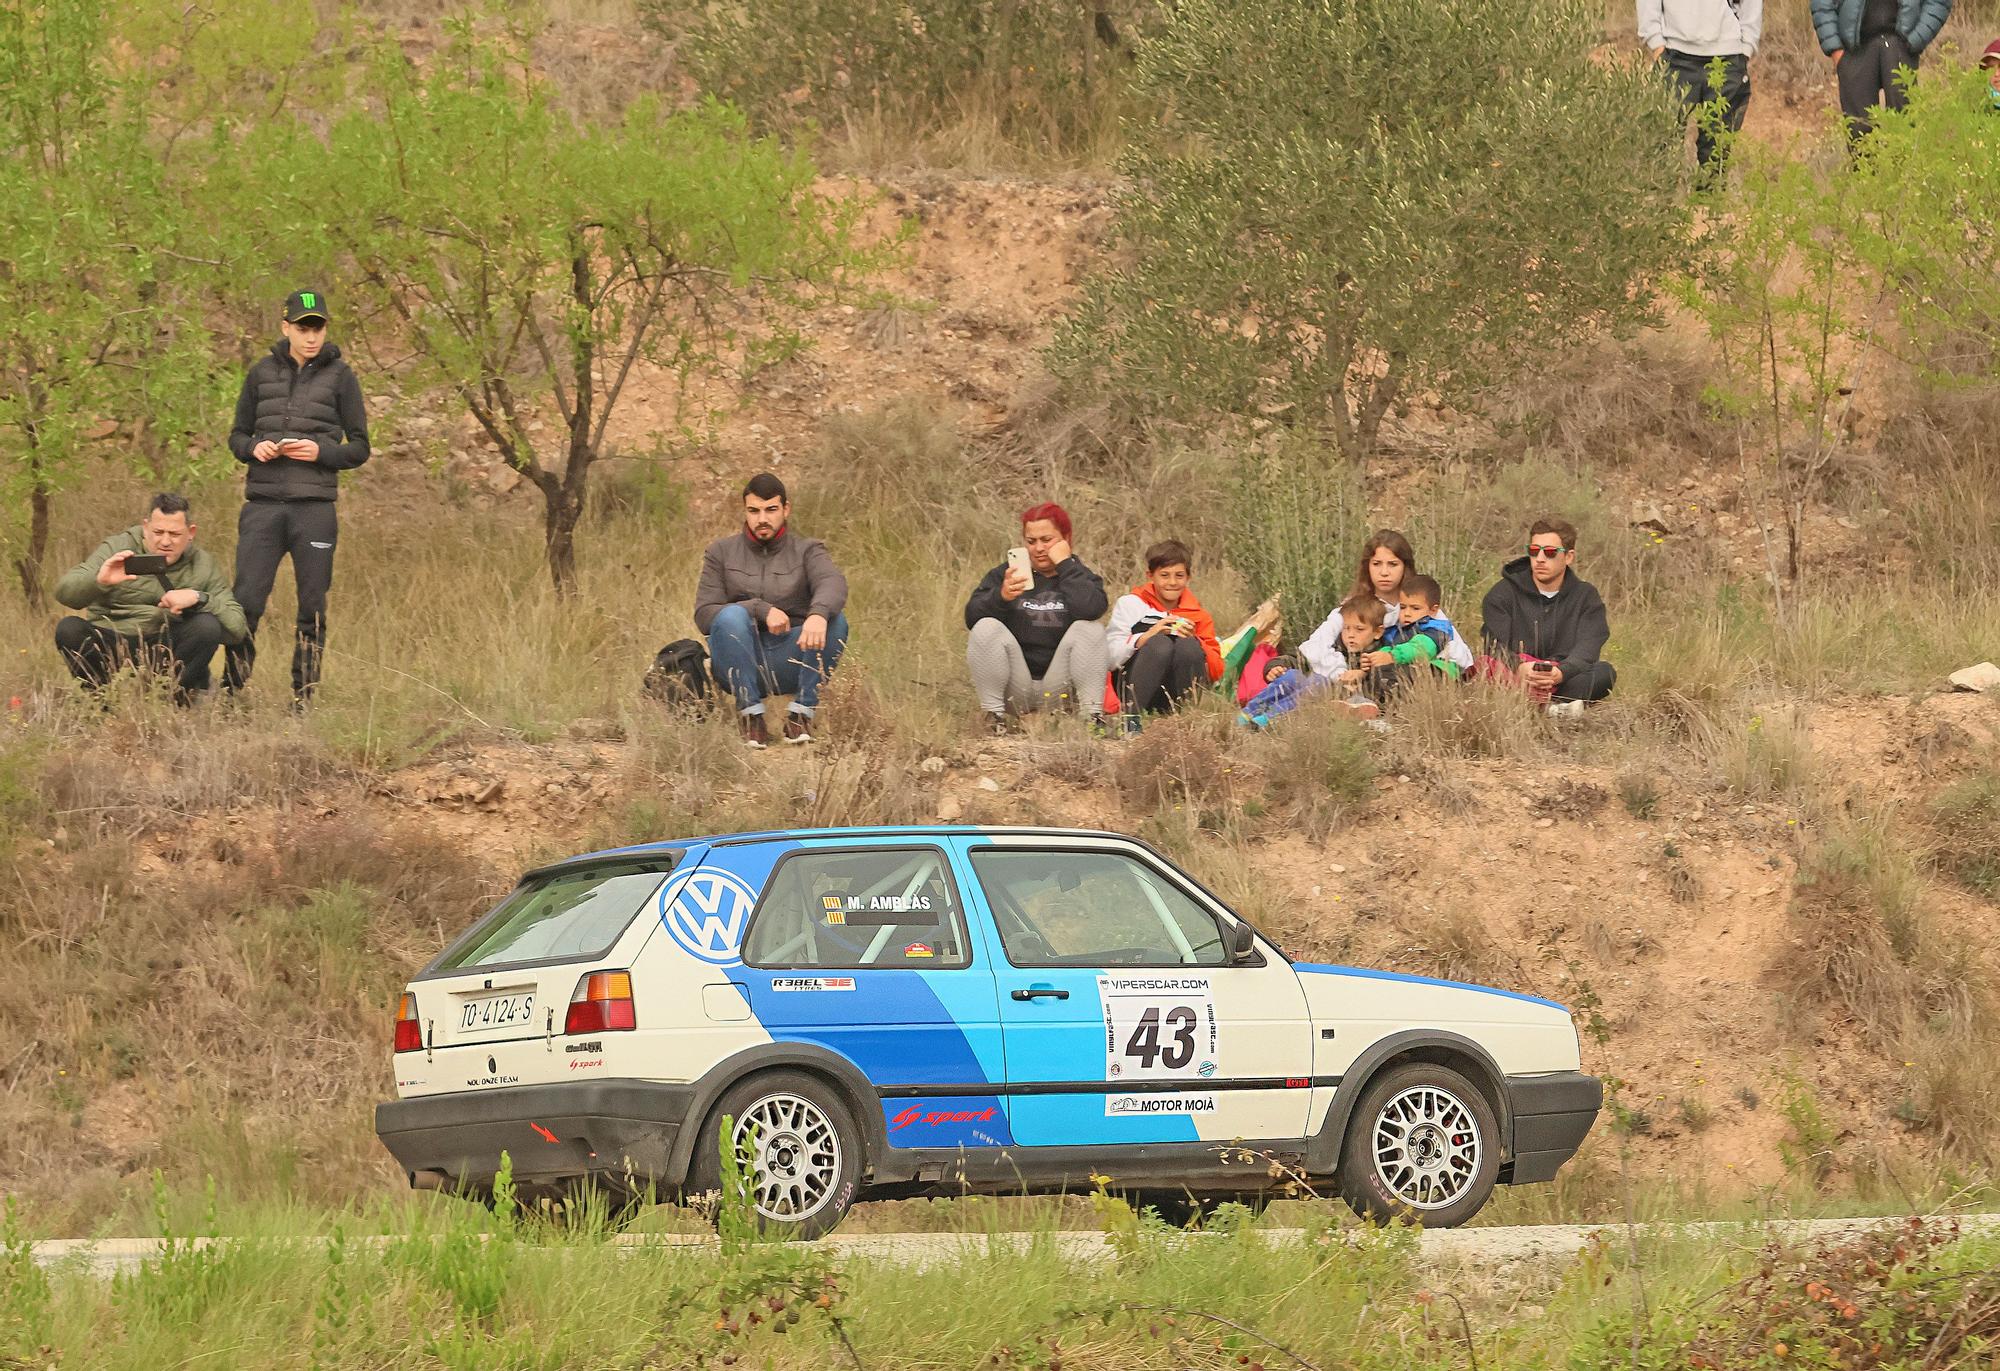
1548	623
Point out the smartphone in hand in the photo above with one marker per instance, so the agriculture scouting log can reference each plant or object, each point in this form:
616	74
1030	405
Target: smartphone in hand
145	564
1017	562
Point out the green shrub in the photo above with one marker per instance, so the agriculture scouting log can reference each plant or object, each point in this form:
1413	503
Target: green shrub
1353	204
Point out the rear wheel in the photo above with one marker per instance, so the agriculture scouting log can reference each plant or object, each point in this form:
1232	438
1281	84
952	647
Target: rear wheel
796	1147
1423	1146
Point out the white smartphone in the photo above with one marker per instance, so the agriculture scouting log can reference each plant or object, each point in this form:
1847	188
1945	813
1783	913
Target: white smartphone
1017	561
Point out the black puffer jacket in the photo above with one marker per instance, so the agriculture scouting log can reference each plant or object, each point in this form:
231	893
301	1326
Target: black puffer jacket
320	401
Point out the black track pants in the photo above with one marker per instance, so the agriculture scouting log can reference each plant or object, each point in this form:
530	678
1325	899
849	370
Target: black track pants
267	532
1163	673
92	651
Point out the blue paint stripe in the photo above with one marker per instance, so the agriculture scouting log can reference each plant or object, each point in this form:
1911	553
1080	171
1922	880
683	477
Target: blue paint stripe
1327	969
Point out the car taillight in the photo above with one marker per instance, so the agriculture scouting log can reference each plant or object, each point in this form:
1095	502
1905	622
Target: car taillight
602	1004
409	1033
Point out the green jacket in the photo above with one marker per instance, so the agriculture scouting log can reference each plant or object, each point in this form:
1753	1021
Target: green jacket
133	607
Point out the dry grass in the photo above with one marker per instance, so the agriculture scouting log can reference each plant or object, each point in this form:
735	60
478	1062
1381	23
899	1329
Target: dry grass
1870	945
1319	768
1474	720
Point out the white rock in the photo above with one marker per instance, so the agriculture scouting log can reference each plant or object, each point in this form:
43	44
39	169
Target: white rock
1983	677
950	810
931	766
988	783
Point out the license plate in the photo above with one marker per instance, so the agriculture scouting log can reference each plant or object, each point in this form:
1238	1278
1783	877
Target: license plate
496	1011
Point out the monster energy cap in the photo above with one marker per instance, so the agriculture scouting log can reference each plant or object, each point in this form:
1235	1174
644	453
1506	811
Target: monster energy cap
301	305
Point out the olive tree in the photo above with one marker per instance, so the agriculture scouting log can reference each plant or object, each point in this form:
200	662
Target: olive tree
95	353
1350	202
534	266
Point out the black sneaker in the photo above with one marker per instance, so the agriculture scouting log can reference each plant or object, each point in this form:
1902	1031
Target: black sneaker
754	732
796	728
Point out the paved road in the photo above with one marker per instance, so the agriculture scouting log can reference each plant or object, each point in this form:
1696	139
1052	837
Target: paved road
105	1257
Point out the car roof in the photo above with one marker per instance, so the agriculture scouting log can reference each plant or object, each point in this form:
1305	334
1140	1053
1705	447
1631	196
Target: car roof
772	835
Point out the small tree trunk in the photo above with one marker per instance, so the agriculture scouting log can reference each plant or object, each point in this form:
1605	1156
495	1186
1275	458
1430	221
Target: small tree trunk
1368	423
563	514
28	566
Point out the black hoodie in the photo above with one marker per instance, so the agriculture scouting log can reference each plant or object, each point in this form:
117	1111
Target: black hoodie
1568	628
280	399
1041	614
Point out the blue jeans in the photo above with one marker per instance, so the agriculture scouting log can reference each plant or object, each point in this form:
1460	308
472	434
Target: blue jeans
751	662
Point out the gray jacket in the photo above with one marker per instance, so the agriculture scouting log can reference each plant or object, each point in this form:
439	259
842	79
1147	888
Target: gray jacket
1702	28
791	573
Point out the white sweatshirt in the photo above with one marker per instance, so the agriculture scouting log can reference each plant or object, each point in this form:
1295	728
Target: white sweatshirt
1323	654
1702	28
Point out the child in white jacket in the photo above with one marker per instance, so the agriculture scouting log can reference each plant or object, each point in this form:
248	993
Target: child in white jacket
1688	35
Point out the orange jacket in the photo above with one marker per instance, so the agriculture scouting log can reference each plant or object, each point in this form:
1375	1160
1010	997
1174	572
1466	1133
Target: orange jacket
1190	609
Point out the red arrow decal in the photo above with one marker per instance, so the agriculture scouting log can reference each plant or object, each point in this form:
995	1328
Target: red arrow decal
544	1132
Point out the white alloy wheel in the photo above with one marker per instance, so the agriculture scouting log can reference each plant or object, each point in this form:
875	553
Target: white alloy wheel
1426	1147
791	1153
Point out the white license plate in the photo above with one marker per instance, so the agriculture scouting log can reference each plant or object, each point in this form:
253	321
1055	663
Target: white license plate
496	1011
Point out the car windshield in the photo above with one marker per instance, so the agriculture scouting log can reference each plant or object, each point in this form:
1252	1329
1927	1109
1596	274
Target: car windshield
576	913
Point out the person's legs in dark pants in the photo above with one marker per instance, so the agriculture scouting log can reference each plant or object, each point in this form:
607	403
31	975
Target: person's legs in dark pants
1867	74
734	658
261	539
91	651
1161	673
806	668
1594	682
312	531
192	640
1690	75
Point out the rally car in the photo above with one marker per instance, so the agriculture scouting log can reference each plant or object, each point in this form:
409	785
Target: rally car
891	1012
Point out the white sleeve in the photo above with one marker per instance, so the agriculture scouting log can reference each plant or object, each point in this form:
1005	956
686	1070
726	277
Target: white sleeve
1118	636
1750	18
1322	651
1457	652
1652	23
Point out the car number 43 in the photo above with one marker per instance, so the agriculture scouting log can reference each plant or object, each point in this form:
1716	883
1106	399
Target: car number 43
1158	1026
498	1011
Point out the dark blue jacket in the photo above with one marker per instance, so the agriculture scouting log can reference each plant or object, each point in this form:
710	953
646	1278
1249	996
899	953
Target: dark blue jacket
1838	22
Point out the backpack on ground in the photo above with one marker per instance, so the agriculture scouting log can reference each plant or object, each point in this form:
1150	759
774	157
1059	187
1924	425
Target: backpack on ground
678	676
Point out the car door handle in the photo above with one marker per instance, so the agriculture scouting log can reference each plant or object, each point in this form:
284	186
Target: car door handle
1037	991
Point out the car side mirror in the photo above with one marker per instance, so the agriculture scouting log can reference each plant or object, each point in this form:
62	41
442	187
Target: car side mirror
1242	942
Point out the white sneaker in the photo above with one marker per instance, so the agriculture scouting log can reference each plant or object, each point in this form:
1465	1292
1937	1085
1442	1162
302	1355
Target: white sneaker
1569	710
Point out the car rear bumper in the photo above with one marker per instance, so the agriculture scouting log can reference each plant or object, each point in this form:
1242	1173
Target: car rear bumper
1552	1114
549	1132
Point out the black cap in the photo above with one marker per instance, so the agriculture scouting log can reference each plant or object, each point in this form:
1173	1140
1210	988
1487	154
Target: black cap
305	304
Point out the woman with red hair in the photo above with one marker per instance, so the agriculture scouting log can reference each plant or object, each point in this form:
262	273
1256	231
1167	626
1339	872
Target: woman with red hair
1034	639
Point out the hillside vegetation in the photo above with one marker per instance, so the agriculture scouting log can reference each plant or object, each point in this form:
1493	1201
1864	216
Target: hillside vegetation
1762	872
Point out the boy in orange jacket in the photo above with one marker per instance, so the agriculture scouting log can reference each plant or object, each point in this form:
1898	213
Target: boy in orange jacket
1161	641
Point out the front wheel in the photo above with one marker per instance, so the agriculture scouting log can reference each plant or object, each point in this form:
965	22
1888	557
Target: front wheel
1423	1146
797	1150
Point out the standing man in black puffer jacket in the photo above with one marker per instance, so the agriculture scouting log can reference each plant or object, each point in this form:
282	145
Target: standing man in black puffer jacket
299	424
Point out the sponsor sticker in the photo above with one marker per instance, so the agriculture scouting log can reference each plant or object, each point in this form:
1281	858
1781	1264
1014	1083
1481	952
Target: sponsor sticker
812	982
932	1118
1172	1103
1158	1026
574	1049
919	950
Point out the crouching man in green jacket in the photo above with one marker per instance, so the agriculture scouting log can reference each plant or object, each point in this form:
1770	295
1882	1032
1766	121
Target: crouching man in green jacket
181	613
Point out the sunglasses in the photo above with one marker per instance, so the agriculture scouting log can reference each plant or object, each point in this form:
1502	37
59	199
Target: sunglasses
1550	552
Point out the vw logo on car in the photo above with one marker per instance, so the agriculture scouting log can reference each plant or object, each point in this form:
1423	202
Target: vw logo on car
707	916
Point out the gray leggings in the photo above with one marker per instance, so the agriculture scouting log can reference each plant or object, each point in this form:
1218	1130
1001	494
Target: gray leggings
1000	678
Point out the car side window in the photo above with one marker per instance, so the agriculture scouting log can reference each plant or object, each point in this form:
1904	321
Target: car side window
839	907
1081	908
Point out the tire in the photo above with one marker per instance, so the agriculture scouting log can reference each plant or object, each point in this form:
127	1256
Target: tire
1184	1209
806	1166
1423	1146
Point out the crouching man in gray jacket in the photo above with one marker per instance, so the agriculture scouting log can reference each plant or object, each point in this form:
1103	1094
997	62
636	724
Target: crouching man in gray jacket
770	604
1687	35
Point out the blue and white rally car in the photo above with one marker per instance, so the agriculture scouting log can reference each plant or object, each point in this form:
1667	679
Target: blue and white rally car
894	1012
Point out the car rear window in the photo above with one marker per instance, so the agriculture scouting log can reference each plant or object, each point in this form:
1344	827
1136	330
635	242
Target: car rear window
576	913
